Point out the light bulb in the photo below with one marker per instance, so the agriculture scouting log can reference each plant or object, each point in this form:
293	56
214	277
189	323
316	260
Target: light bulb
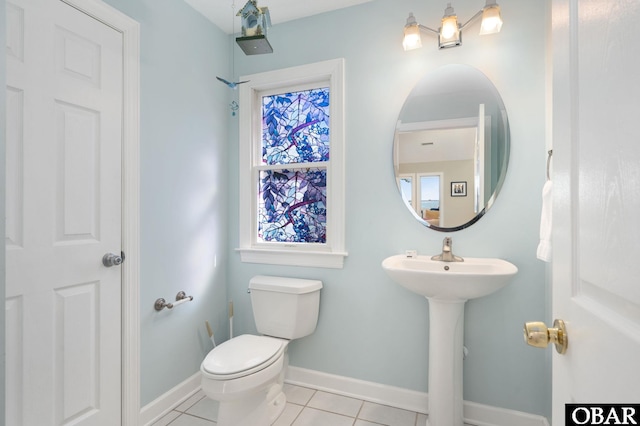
491	20
412	39
449	27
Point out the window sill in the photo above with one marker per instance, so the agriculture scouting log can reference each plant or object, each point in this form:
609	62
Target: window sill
313	259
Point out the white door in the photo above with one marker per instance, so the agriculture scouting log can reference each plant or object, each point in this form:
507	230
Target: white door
64	133
596	222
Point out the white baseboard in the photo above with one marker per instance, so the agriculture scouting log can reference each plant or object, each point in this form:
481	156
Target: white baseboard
360	389
475	414
169	400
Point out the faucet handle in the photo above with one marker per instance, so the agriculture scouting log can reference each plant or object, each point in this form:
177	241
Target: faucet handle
447	253
446	244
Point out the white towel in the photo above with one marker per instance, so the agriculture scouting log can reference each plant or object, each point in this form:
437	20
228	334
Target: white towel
544	248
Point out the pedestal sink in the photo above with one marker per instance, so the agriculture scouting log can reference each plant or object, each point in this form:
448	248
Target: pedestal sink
447	286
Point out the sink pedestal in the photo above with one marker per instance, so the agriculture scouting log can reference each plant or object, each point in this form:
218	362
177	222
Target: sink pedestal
446	331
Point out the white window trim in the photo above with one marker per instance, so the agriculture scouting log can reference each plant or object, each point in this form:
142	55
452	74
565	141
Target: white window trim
331	254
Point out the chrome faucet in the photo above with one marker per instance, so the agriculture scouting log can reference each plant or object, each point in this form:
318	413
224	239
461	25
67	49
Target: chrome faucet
447	254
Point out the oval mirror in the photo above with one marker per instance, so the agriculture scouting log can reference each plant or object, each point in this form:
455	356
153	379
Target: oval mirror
451	147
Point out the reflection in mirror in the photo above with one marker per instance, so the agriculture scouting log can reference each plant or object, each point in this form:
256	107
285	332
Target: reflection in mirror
451	147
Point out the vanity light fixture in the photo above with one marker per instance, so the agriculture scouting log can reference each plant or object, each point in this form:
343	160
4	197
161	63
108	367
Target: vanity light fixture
450	31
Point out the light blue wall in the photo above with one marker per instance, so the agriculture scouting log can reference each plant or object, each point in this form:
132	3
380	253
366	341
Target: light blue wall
184	193
369	327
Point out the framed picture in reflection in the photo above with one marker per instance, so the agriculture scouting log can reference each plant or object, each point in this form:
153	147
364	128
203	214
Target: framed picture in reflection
459	189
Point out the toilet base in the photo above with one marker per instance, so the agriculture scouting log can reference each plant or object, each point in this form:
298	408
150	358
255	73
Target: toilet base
256	400
258	409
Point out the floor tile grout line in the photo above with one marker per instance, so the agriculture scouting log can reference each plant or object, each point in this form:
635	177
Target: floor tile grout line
199	417
296	417
190	406
303	406
331	412
178	416
356	417
172	411
359	411
315	391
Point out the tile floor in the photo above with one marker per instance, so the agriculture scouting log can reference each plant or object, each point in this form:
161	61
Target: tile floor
305	407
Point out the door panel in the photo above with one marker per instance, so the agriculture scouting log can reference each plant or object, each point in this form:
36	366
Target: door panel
64	142
77	356
78	182
14	168
596	202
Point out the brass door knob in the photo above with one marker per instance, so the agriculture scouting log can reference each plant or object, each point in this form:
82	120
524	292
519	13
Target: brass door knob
539	335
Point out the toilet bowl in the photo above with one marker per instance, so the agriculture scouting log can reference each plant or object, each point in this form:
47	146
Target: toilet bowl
246	373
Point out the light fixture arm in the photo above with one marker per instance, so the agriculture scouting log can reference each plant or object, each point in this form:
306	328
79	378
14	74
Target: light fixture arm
426	29
473	18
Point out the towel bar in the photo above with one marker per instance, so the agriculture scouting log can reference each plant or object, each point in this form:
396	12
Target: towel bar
181	298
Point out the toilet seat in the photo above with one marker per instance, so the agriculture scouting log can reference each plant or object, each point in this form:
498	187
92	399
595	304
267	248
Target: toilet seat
242	356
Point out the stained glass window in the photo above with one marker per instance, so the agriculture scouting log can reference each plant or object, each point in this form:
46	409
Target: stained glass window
292	202
293	206
295	127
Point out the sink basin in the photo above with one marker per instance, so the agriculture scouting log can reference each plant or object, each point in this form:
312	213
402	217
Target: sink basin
435	279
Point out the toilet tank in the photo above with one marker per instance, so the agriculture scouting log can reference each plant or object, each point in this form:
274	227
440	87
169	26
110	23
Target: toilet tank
285	307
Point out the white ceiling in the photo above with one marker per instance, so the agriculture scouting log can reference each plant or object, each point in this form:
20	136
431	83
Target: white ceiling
425	146
221	13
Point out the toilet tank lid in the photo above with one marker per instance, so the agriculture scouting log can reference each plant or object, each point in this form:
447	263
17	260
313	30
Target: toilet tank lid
284	284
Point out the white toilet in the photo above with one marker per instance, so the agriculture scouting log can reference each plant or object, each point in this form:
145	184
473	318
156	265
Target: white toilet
245	374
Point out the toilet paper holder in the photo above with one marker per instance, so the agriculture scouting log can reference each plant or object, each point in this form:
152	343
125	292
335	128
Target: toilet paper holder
181	298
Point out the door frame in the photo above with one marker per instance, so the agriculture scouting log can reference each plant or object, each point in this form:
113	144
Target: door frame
130	351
